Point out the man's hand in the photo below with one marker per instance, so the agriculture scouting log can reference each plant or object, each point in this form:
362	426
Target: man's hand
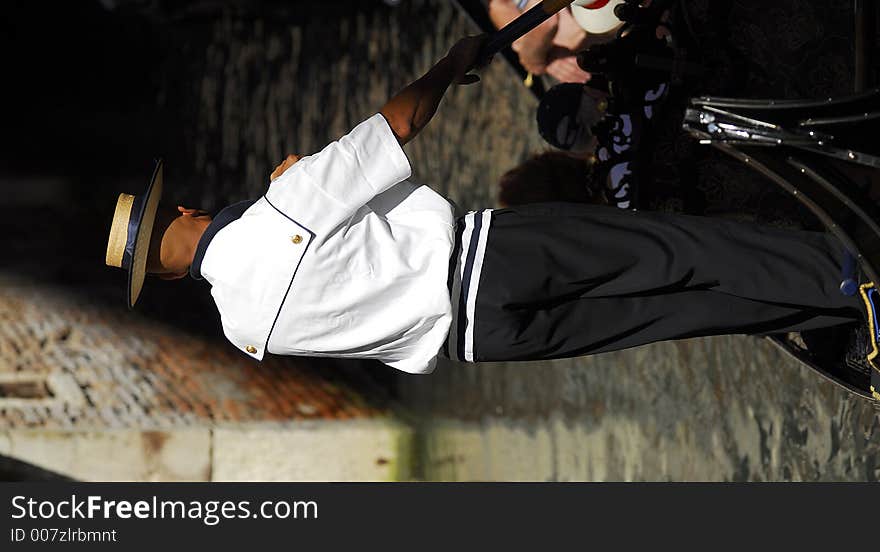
464	57
410	109
286	164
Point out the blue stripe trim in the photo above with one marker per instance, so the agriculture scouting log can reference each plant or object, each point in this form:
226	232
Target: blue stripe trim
136	216
466	281
290	285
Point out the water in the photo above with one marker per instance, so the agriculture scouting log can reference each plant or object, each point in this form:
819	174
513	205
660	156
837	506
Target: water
719	409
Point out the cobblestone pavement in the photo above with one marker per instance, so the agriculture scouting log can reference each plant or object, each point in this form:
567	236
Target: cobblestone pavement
67	364
98	394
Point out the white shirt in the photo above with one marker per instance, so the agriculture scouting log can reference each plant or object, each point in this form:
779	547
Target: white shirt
342	257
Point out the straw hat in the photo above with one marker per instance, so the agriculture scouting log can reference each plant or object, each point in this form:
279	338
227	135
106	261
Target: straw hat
131	232
596	16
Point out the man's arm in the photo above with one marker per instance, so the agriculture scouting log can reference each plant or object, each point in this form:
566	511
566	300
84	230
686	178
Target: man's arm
411	109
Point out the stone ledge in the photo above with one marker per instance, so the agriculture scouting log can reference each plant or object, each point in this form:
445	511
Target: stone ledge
369	450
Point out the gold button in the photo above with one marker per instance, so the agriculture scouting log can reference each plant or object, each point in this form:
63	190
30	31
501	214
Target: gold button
296	239
251	349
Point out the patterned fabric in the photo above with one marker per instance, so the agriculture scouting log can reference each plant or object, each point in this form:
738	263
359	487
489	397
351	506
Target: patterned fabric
619	136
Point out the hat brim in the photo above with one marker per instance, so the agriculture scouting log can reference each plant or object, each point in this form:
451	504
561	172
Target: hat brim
143	220
597	21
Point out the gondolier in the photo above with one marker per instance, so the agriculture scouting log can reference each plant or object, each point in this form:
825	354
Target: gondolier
344	257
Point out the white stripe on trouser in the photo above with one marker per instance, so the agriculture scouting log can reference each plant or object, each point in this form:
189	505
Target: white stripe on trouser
456	286
467	310
474	286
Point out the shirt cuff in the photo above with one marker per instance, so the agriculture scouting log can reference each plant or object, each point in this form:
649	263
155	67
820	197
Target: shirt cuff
394	166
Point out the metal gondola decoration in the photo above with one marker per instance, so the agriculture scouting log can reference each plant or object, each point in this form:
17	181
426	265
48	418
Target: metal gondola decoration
821	152
824	153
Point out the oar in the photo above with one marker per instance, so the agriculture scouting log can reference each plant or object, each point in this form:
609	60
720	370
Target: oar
521	25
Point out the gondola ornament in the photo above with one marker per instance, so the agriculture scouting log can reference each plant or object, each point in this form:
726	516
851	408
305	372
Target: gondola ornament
824	153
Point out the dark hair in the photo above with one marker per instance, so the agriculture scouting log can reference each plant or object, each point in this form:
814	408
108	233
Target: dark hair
560	101
549	176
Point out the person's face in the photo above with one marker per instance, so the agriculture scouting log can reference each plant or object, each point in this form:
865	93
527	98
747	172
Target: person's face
175	235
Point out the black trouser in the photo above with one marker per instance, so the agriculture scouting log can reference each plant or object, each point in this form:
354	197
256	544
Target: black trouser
560	280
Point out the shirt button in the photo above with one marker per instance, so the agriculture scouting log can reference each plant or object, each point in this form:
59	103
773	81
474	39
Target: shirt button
251	349
296	239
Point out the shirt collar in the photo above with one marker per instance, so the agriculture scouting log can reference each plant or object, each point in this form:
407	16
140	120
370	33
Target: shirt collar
220	220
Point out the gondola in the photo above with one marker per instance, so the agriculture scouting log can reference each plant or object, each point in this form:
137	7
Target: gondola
823	152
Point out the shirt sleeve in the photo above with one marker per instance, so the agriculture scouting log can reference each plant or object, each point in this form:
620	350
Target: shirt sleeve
323	190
